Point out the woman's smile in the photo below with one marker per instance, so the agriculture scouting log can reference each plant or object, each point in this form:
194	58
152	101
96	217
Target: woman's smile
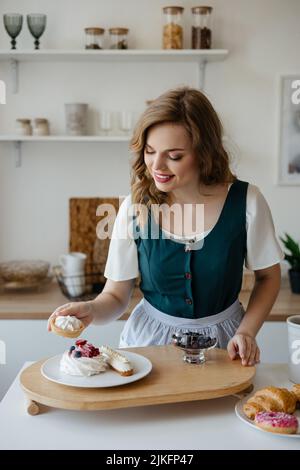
162	178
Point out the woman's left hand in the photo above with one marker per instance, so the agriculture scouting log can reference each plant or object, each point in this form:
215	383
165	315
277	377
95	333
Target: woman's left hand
245	347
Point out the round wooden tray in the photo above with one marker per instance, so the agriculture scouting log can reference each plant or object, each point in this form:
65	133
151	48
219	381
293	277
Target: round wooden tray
170	381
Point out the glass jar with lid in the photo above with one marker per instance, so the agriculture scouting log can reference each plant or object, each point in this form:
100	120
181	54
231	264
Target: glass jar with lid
94	38
118	38
172	29
201	28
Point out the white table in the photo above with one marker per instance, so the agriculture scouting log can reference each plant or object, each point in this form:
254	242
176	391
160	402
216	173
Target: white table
209	424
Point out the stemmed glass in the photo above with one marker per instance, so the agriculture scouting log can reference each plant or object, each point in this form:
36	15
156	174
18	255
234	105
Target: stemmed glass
105	121
36	24
126	122
13	23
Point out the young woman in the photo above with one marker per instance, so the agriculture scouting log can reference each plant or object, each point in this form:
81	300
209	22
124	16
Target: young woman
190	278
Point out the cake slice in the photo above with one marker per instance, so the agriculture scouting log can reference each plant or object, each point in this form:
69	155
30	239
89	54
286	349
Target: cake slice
117	361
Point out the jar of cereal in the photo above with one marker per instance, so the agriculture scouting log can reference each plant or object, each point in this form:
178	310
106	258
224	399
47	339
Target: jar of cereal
173	30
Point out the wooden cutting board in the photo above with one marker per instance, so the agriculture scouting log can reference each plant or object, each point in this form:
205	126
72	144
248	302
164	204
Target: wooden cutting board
83	224
170	381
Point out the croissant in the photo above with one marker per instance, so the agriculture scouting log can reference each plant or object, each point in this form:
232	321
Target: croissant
271	399
296	391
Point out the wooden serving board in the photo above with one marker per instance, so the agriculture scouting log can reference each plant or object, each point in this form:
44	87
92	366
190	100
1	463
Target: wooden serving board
170	381
83	224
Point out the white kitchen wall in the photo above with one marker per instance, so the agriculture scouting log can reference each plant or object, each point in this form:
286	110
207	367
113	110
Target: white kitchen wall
262	38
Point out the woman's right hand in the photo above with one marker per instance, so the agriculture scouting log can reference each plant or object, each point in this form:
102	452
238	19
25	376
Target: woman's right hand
82	310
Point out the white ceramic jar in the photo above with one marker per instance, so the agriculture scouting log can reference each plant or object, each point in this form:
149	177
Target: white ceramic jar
23	127
41	127
76	118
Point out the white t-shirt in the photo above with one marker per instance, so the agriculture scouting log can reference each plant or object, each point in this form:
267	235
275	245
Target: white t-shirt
263	249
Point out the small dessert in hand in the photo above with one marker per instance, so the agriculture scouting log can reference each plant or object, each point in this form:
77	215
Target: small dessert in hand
117	361
276	421
68	326
83	359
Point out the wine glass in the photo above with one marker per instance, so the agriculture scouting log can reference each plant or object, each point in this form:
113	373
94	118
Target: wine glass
106	121
126	122
36	25
13	23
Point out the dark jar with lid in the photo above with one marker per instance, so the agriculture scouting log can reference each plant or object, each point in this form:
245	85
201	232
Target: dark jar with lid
93	38
118	38
201	27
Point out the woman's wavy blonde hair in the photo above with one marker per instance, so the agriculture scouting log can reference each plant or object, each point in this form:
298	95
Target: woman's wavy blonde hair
190	108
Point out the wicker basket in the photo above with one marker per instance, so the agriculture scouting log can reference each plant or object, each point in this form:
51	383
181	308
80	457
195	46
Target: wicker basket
81	287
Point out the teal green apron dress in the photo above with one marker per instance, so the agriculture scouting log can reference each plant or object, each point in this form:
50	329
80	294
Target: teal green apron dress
193	285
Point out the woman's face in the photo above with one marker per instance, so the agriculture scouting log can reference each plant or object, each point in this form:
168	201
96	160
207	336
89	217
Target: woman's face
170	159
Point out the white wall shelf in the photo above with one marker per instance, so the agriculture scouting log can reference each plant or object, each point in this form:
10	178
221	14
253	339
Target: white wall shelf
64	138
127	55
18	140
199	56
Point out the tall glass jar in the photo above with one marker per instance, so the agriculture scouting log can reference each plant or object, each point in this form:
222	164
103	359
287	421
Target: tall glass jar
201	28
173	30
118	38
93	38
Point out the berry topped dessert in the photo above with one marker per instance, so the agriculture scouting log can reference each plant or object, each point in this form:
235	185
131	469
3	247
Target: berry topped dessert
83	359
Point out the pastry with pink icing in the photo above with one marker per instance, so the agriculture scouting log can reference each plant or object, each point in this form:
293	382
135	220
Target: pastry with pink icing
277	422
83	359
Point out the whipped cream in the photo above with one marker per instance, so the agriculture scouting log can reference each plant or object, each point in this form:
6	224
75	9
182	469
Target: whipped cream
82	366
68	323
115	359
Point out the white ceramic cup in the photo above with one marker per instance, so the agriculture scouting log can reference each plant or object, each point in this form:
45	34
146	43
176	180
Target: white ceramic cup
73	267
293	325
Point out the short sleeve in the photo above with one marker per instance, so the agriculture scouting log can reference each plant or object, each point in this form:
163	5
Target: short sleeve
263	249
122	260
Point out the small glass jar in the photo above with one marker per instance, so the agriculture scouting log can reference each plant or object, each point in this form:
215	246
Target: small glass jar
118	38
41	127
23	127
94	38
201	28
173	30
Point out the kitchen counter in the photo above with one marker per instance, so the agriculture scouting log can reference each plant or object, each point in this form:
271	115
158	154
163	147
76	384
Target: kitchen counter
207	424
40	305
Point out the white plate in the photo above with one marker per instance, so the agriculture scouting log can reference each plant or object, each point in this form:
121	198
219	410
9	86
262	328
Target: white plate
110	378
240	413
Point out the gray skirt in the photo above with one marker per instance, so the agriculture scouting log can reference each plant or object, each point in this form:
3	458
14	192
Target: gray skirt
149	326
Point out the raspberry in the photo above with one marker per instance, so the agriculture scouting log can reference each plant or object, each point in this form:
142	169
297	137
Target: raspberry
80	342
